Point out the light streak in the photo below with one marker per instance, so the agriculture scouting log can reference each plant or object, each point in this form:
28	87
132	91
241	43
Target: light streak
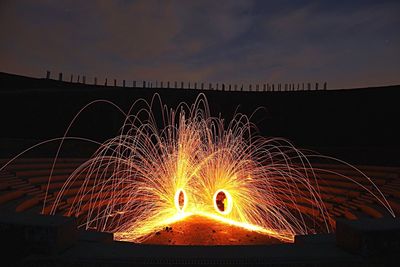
150	176
226	202
180	200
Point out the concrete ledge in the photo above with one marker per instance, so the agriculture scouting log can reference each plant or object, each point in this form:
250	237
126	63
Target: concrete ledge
93	236
23	234
369	237
314	239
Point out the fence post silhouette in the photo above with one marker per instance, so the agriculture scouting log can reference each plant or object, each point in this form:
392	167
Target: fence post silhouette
230	87
168	84
95	81
235	87
202	86
47	74
84	79
123	83
79	78
309	86
316	86
188	85
71	78
325	86
144	84
134	84
105	82
60	76
223	87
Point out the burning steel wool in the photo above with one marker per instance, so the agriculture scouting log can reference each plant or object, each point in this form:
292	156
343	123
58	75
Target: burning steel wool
150	176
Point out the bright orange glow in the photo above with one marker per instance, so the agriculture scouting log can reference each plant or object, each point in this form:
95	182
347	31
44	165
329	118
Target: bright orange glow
150	176
286	237
224	204
180	200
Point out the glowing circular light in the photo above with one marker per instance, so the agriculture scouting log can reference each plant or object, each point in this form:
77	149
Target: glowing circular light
222	201
180	199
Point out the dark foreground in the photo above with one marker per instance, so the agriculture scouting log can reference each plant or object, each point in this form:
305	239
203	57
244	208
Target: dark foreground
32	240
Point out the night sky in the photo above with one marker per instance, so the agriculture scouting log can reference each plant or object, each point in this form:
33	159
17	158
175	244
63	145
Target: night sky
345	43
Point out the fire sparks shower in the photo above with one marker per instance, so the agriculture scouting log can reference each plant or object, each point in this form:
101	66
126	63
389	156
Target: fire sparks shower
194	164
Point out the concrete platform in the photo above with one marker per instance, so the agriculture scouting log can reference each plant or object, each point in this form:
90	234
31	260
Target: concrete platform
96	249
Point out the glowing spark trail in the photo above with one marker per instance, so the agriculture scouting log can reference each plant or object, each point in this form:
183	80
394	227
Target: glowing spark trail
150	176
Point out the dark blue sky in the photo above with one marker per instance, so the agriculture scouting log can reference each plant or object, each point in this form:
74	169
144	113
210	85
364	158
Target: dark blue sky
346	43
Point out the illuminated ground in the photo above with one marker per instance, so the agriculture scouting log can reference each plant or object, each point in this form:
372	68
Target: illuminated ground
198	230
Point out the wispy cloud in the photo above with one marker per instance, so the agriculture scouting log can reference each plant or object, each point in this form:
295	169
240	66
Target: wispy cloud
350	44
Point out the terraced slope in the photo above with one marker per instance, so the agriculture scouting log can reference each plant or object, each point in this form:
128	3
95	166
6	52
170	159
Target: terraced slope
23	188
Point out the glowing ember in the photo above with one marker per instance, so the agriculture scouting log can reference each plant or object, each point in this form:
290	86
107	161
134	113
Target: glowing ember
180	200
194	164
222	202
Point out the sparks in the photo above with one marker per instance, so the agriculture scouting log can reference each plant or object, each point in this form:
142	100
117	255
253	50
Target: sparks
150	176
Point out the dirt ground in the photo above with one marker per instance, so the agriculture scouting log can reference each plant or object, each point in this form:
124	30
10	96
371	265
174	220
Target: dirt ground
198	230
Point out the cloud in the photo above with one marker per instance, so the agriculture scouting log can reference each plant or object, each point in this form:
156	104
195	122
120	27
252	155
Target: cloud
226	41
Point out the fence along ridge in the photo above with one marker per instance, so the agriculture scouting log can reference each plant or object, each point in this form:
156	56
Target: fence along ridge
250	87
